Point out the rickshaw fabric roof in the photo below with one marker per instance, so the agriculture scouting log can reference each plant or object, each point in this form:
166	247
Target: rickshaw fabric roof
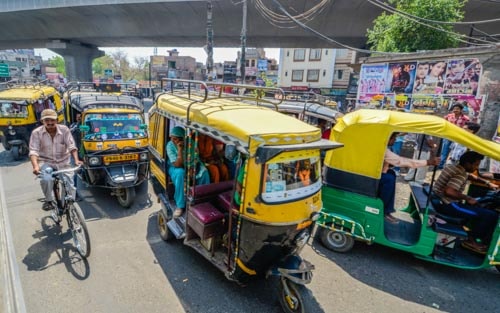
29	93
238	120
365	134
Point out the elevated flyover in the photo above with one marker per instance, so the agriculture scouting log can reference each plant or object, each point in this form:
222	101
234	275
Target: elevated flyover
75	28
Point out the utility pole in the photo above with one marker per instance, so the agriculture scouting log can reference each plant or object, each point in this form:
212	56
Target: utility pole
243	42
210	41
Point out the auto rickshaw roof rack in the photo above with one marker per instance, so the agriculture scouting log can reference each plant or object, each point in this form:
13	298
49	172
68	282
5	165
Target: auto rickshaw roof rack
201	91
24	83
84	102
104	88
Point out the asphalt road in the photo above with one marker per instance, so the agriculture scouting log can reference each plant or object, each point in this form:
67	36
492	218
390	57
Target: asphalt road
132	270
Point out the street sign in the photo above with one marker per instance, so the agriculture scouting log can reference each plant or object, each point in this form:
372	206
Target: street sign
4	70
108	72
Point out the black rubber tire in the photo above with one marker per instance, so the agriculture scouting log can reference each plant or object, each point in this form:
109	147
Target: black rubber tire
79	230
126	197
305	302
161	222
15	153
336	241
498	267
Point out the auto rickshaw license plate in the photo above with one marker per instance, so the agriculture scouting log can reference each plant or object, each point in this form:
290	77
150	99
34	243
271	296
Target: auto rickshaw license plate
122	157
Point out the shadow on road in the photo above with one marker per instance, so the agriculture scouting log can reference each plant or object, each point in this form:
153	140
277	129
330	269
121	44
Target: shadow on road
98	203
201	287
7	160
406	277
51	240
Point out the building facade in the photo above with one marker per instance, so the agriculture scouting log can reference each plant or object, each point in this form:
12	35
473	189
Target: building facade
322	71
175	66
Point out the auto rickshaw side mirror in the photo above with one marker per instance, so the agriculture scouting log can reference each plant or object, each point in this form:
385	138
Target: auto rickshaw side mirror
84	128
144	126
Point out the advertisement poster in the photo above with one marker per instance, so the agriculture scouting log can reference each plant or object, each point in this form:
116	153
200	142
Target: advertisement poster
400	77
428	104
372	79
427	86
462	76
429	77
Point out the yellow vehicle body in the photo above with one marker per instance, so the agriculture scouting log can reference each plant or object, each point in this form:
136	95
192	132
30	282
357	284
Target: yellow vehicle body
112	139
20	110
277	176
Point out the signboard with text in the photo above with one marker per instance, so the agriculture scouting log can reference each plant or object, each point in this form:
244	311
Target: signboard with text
4	70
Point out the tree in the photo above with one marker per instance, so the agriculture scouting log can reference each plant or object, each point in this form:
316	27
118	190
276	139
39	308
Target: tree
397	33
59	64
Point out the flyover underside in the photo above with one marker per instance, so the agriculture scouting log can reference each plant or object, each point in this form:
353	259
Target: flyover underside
183	23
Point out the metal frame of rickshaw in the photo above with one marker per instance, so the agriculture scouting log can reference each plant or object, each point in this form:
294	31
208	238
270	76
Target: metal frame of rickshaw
353	173
201	106
84	99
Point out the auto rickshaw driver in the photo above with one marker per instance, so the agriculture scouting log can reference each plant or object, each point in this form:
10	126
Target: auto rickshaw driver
448	190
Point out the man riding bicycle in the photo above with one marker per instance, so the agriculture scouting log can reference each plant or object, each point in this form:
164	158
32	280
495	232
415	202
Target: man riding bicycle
52	144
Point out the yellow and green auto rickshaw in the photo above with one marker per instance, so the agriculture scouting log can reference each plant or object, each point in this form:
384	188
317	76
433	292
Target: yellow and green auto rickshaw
353	211
254	222
112	138
20	109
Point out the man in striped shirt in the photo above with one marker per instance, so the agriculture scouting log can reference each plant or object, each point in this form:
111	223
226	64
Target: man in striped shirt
449	189
52	145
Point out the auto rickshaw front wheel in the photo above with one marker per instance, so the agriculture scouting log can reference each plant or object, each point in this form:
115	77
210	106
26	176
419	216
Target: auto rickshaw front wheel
125	196
161	220
15	153
295	298
336	241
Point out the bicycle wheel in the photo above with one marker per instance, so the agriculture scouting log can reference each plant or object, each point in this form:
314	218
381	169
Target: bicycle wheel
79	231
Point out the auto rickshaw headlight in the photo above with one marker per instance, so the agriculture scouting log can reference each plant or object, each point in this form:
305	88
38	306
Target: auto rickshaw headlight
143	156
94	161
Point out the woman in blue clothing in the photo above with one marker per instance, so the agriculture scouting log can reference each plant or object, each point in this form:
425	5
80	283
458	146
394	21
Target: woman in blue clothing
176	171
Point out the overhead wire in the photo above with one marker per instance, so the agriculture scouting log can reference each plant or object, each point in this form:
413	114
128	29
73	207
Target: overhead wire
437	21
283	21
320	35
390	9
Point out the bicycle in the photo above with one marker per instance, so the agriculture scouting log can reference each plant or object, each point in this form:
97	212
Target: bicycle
64	204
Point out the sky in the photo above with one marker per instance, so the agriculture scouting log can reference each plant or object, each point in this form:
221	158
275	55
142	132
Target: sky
220	54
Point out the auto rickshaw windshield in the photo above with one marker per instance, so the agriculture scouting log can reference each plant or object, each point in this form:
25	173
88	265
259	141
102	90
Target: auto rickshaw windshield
291	179
13	109
114	126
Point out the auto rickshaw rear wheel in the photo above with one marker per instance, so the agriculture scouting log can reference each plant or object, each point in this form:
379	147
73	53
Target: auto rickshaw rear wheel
336	241
299	299
161	220
125	196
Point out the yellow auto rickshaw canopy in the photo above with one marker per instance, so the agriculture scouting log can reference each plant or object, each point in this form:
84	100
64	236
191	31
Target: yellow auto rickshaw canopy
236	120
365	135
28	93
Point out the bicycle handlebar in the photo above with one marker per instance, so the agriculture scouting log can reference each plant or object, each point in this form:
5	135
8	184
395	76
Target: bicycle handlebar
55	173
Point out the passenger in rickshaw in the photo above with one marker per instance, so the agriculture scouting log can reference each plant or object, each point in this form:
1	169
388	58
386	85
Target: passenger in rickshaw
448	197
175	154
211	153
387	184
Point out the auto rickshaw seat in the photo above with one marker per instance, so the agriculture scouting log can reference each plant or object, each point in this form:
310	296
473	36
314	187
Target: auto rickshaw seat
224	201
204	193
205	220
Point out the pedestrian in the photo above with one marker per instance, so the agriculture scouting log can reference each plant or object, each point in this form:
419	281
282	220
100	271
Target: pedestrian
458	118
423	150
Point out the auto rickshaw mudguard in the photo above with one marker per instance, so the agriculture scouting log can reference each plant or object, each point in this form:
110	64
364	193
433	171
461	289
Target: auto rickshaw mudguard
294	268
124	175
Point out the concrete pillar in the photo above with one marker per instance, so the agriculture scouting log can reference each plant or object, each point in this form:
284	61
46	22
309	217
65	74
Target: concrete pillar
77	57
